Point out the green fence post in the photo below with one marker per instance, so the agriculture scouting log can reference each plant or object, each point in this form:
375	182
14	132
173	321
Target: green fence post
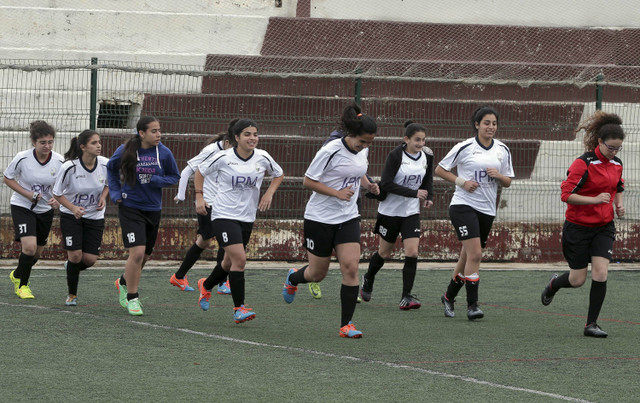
599	78
358	91
94	95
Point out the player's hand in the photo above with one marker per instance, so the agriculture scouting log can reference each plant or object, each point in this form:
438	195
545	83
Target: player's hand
374	188
620	210
265	203
345	193
427	204
201	206
471	186
602	198
422	194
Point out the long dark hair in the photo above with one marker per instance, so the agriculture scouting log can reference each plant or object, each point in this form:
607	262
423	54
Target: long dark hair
355	123
129	154
74	151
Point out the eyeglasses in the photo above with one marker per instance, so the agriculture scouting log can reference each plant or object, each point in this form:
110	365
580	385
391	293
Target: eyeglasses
612	148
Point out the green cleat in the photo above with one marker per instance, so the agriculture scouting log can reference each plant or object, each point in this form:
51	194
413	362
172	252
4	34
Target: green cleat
134	307
314	289
15	281
122	293
24	292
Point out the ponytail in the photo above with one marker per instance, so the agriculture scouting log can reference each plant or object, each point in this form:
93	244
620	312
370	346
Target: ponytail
74	151
355	123
130	160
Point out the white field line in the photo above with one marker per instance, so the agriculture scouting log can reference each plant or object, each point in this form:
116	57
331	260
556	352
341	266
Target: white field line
311	352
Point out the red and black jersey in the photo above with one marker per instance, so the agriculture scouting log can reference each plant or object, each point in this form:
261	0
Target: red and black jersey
589	175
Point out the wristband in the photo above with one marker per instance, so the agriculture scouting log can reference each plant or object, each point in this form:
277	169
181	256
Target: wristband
460	182
198	191
34	200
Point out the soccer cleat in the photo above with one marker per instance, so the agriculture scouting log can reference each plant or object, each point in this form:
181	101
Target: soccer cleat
409	302
448	306
15	281
24	292
289	290
243	314
314	289
122	293
350	331
72	300
182	284
134	307
224	288
548	292
359	300
204	295
366	289
593	330
473	312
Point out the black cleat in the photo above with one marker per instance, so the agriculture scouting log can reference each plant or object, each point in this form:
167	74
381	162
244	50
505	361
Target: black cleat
473	312
548	292
366	289
409	302
593	330
448	306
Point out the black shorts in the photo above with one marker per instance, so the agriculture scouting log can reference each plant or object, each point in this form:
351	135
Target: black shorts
470	223
139	227
28	223
205	227
231	232
320	239
580	243
389	227
82	234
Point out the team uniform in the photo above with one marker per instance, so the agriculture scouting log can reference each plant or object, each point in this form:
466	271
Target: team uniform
29	219
329	221
472	213
399	214
82	187
205	227
141	205
233	212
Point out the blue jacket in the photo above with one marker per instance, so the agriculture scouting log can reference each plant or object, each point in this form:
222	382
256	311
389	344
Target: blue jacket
156	169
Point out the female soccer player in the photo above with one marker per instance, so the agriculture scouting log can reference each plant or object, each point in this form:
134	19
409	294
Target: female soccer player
331	218
482	163
81	189
239	172
31	175
407	180
146	166
205	230
594	182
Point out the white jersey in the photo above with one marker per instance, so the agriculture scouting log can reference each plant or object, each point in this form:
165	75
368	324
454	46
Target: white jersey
34	176
411	173
472	160
337	166
209	186
82	187
237	182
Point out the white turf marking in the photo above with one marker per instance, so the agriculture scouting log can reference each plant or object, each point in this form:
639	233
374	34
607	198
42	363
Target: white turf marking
313	352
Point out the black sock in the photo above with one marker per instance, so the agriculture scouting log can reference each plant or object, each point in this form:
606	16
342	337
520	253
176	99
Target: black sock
73	276
348	300
596	299
298	277
25	263
562	281
472	291
217	275
219	259
408	274
131	296
192	256
83	266
375	264
123	281
454	287
236	282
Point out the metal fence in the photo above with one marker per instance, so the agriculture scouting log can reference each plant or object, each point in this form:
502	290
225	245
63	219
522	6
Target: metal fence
296	111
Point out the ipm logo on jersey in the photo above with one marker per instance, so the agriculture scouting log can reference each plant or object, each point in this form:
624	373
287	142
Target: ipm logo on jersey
41	188
354	181
410	180
244	181
83	199
482	176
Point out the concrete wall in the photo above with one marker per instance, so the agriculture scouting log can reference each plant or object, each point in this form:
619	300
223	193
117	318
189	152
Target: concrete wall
549	13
